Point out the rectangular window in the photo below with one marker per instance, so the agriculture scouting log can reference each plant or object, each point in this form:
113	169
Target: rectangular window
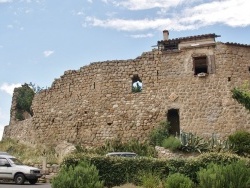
200	65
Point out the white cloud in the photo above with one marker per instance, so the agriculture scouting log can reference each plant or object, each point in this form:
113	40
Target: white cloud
5	1
129	25
48	53
90	1
184	16
148	4
1	131
142	35
9	88
10	26
138	25
229	12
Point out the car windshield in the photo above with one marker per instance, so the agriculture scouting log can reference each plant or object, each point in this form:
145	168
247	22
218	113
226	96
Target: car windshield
15	161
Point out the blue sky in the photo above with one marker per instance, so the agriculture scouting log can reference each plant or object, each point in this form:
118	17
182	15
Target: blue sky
40	39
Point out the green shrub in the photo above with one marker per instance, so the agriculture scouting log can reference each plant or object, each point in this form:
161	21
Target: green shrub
115	171
149	180
119	170
218	158
141	149
241	142
238	174
159	134
171	143
235	175
192	166
82	175
211	177
178	180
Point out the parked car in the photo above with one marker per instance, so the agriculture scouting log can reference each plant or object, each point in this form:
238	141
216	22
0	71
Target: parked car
12	169
3	153
122	154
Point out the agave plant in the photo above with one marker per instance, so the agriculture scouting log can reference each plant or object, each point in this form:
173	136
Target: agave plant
192	143
218	145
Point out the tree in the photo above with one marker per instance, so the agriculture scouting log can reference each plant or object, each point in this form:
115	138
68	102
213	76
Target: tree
136	88
24	99
35	87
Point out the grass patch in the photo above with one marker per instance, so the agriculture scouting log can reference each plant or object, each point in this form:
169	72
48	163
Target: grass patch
28	154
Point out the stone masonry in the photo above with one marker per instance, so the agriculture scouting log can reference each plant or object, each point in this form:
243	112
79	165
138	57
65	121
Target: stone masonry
96	102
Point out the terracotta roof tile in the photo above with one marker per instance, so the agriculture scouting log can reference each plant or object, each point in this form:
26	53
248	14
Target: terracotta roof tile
237	44
211	35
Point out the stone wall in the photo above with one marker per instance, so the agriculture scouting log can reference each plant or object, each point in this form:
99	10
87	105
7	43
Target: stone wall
96	102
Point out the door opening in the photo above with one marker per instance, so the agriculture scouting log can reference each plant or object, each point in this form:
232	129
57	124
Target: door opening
174	120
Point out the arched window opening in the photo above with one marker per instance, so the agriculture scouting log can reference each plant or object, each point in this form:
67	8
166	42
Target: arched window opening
136	84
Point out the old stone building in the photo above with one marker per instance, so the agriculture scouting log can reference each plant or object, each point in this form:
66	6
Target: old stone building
186	81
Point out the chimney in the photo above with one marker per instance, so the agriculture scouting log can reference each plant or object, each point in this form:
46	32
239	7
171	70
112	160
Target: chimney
165	35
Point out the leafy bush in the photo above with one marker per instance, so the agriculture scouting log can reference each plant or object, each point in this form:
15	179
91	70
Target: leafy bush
218	158
235	175
171	143
83	175
141	149
149	180
192	166
178	180
241	142
159	134
120	170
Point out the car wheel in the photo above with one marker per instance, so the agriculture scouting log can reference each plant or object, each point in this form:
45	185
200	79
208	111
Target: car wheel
33	181
19	179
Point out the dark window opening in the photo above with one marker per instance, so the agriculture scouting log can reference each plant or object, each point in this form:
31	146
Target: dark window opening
136	84
94	85
174	120
171	46
229	79
249	69
200	65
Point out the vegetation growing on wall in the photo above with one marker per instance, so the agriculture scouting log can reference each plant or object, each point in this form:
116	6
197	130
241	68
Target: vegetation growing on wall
25	95
24	99
242	95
